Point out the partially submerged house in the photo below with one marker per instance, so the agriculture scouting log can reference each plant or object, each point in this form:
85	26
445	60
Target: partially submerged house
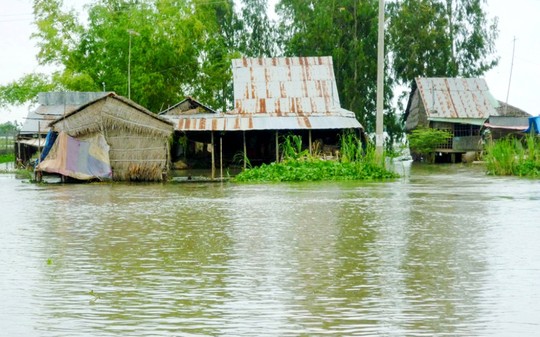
133	140
509	121
458	105
51	105
272	97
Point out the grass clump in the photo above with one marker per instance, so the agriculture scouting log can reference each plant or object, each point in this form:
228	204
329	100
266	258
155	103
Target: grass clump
515	157
354	163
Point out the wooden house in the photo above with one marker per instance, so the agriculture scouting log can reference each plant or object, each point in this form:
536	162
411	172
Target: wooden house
273	97
458	105
509	121
137	139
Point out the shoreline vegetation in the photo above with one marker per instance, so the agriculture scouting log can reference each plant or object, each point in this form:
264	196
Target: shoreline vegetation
514	157
354	162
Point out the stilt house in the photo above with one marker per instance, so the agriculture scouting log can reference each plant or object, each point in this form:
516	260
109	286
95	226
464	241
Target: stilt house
273	97
458	105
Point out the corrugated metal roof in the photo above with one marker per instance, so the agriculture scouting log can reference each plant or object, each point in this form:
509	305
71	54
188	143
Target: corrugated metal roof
238	122
54	105
35	142
285	86
42	116
457	97
472	121
278	94
509	121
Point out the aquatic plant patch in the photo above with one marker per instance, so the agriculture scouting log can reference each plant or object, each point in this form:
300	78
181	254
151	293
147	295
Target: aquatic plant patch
355	163
512	156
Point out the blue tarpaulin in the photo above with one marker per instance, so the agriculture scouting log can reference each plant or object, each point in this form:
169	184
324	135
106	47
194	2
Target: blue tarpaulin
49	141
534	125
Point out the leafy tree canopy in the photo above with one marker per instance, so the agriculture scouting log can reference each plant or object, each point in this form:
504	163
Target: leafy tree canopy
159	51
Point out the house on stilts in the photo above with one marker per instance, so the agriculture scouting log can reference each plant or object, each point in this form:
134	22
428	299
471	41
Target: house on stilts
273	97
460	106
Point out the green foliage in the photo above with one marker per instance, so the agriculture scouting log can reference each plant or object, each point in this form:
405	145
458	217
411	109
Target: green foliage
424	141
9	128
25	89
512	156
298	165
7	158
292	148
440	38
173	49
347	31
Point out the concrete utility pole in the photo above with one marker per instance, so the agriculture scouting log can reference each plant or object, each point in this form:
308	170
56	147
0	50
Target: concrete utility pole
379	138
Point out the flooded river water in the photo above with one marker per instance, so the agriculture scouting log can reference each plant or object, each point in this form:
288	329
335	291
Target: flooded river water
442	251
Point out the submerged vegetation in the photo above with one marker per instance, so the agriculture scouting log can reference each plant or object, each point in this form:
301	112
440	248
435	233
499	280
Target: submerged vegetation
353	163
516	157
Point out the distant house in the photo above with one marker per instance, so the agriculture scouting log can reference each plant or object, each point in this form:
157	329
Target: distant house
272	97
110	128
508	121
458	105
188	106
51	105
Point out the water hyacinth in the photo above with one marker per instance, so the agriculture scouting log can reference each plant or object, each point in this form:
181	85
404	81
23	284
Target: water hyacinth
353	163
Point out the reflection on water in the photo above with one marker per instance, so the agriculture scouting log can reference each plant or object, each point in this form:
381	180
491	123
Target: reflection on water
443	251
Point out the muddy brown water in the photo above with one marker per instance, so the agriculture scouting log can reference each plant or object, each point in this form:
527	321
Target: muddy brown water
443	251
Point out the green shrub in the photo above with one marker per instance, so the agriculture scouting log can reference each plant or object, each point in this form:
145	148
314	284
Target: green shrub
424	141
511	156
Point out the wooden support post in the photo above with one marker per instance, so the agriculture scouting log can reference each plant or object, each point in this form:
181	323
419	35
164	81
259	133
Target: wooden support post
310	147
213	155
277	148
39	142
245	149
221	156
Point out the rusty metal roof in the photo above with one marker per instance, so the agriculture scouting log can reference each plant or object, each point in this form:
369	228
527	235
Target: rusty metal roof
278	94
239	122
456	97
53	105
285	86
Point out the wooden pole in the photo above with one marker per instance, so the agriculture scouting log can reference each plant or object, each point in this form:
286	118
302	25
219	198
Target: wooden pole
245	149
310	147
277	148
213	155
39	142
221	156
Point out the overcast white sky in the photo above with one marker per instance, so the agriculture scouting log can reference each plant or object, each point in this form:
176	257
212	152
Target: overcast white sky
517	18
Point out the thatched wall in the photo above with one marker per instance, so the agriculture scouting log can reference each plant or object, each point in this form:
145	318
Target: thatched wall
138	139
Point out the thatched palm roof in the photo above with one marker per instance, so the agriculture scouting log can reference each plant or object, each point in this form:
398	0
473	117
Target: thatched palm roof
103	113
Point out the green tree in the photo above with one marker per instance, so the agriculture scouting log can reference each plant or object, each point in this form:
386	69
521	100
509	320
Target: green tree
347	31
258	38
9	128
440	38
24	90
168	49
